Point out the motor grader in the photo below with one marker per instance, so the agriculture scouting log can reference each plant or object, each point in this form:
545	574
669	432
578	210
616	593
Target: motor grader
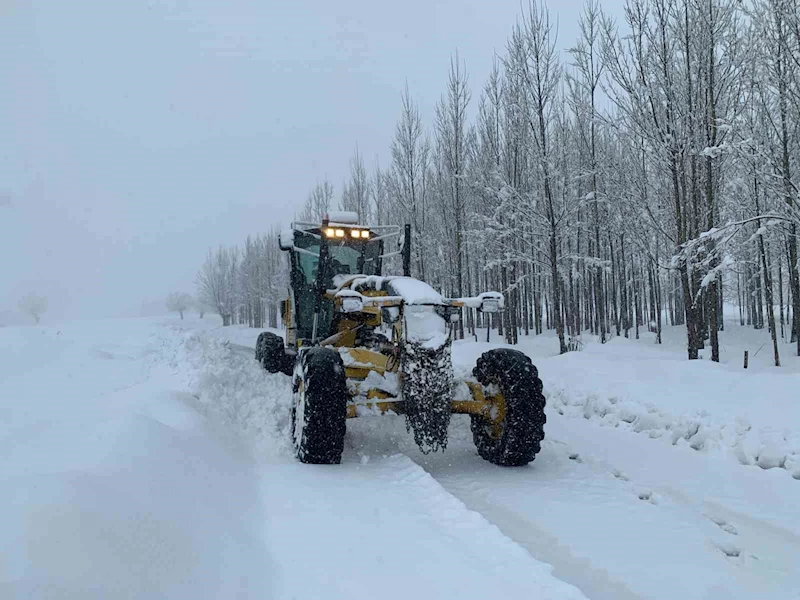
359	344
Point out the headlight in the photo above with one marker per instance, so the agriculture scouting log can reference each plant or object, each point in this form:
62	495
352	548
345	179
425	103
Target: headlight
340	233
330	232
354	233
365	234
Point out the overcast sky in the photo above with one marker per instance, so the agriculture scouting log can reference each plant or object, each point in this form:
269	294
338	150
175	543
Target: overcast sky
135	134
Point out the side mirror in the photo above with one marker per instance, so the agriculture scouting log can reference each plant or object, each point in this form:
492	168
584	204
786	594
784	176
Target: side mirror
286	239
491	302
490	305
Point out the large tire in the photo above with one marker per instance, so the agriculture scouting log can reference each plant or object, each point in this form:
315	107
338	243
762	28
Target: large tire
319	412
271	353
260	347
522	429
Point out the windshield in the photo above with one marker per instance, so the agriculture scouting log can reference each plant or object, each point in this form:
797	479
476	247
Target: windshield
346	258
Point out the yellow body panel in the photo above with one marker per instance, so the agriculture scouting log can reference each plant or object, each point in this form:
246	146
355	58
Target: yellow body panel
368	359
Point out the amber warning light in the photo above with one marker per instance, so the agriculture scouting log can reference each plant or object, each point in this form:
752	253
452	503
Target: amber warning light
333	232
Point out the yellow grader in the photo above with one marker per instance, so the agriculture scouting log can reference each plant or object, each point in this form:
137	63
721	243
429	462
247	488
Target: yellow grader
359	344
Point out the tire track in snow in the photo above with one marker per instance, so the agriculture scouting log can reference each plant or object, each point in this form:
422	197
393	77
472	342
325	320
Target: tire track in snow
702	497
535	507
458	519
457	472
593	582
758	545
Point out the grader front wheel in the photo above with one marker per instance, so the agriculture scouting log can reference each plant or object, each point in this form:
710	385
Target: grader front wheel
516	439
319	413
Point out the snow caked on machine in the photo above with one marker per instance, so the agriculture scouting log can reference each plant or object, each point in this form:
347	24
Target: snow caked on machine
360	344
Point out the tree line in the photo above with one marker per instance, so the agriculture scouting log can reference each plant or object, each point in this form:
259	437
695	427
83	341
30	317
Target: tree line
245	285
645	177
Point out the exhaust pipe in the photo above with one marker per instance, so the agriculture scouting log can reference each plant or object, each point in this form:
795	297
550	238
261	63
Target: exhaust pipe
407	250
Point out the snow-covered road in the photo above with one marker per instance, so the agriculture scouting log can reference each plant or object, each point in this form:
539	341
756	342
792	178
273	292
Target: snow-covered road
151	460
622	516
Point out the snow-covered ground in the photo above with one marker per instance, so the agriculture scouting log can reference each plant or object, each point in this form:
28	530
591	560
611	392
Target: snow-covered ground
149	458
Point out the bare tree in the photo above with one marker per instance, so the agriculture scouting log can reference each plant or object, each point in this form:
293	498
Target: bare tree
179	302
380	196
318	202
356	193
216	282
541	73
451	147
200	307
585	86
405	181
34	305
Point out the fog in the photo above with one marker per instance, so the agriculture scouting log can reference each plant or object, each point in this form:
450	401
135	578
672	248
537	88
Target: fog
135	135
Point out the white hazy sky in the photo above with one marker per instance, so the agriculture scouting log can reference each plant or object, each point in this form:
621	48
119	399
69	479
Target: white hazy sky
135	134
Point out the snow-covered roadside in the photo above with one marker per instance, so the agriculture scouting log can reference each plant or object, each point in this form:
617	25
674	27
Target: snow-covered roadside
753	417
112	486
231	389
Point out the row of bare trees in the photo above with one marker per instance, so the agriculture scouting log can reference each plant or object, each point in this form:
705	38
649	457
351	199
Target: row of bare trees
649	174
646	176
245	285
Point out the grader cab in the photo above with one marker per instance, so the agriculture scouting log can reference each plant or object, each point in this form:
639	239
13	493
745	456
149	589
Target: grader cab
360	344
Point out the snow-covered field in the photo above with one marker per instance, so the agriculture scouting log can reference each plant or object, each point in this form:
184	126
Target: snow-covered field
149	458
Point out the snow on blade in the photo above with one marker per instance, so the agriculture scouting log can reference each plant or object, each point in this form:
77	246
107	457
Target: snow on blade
415	291
424	326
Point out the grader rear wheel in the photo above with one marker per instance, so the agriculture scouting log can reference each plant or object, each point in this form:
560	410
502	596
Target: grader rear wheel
516	439
271	353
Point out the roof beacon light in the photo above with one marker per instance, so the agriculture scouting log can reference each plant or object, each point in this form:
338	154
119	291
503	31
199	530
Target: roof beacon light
341	217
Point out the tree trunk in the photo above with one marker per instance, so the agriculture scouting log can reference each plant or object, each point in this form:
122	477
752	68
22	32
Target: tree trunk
692	331
780	293
556	296
768	291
